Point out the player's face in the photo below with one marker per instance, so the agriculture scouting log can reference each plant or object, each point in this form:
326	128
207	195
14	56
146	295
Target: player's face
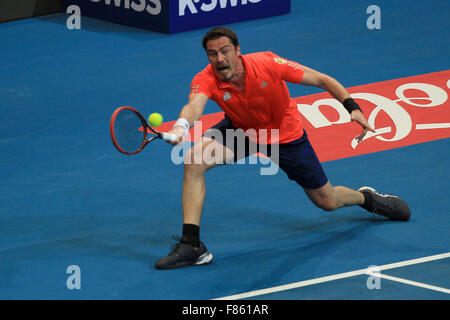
223	56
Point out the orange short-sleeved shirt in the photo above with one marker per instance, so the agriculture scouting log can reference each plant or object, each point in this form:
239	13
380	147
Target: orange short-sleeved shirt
265	104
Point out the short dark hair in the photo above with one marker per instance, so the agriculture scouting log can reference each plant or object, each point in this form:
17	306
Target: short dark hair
218	32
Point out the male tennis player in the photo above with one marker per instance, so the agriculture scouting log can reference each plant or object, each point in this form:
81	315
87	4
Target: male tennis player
252	92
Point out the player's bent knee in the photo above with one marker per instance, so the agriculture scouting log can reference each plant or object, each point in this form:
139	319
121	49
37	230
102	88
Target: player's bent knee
196	160
206	153
324	197
193	156
326	203
327	206
192	168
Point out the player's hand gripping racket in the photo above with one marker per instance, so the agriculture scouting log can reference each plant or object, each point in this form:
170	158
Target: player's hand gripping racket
131	133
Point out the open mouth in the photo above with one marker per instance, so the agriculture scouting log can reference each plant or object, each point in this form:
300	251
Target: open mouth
222	68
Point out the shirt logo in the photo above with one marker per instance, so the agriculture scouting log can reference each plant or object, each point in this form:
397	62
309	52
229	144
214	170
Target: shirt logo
263	85
226	96
280	60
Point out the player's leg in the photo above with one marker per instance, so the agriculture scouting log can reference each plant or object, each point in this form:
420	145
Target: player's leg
209	152
301	164
330	198
189	250
203	156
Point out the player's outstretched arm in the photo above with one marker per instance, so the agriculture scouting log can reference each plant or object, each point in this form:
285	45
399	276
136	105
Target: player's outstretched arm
317	79
190	113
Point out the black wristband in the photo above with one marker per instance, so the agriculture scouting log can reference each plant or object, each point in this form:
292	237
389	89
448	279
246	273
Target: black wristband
350	105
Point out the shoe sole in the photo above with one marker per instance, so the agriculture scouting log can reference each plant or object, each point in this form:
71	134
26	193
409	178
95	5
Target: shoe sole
204	259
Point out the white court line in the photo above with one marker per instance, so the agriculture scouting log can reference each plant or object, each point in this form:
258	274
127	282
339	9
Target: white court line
412	283
332	277
432	126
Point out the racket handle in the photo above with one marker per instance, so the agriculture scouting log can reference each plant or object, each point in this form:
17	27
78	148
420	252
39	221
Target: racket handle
170	137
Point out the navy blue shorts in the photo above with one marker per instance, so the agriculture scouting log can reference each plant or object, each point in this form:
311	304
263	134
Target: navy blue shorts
296	158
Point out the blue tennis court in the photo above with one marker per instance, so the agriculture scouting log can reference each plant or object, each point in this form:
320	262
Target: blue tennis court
68	198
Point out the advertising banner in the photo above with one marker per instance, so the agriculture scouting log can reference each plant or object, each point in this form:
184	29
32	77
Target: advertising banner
173	16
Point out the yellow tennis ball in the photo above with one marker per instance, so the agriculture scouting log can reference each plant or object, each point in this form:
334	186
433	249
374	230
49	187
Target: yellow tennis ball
155	119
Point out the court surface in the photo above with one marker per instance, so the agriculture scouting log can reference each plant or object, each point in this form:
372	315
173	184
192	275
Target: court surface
68	198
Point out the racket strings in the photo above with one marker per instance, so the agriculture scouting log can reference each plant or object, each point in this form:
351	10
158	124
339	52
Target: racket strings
129	131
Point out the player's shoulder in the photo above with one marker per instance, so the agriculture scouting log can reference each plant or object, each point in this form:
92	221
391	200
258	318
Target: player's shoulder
263	62
206	74
262	57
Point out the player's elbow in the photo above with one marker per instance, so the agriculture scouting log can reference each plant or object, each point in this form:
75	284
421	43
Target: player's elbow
324	81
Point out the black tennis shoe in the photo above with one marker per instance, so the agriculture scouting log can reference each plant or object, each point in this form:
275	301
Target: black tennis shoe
388	205
184	254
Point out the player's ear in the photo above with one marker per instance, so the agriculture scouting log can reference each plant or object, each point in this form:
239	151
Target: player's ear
238	49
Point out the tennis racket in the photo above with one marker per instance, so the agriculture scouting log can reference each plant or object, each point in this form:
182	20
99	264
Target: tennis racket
130	132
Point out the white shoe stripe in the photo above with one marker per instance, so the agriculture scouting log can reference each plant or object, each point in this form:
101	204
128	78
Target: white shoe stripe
377	193
204	258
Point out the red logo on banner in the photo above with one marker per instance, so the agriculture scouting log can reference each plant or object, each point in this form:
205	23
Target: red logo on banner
403	111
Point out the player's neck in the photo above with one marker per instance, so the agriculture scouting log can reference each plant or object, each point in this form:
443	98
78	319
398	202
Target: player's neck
238	79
